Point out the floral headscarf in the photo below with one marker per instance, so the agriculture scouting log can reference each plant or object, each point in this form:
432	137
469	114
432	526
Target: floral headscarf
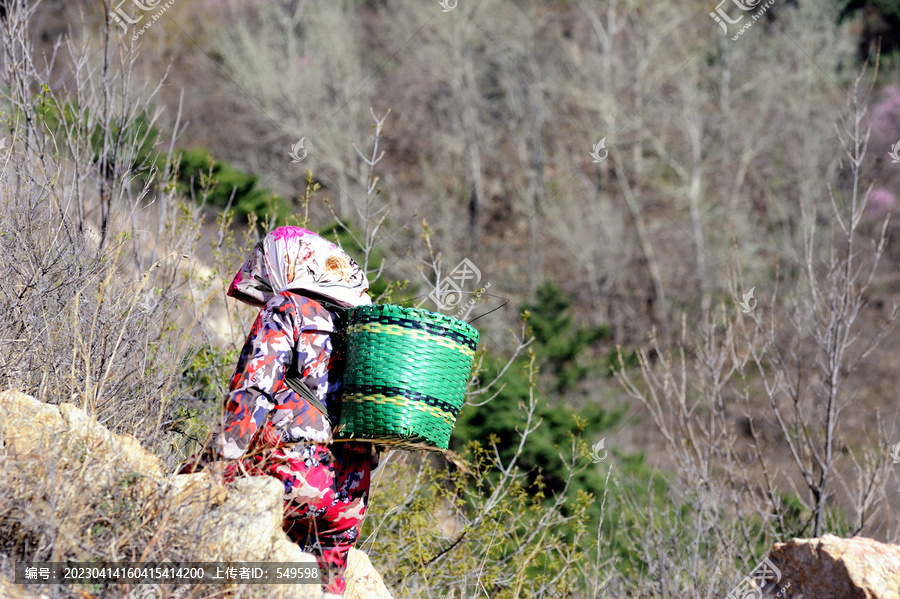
294	259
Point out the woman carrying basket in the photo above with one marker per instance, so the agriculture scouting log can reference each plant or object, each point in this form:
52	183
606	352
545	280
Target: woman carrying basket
282	399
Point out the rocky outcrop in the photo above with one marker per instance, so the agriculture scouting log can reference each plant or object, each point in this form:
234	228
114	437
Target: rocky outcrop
29	427
363	581
831	567
241	522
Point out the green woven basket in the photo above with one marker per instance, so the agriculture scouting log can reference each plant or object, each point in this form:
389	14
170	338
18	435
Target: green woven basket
406	376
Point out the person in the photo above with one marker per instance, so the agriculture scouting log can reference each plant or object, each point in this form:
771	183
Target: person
302	284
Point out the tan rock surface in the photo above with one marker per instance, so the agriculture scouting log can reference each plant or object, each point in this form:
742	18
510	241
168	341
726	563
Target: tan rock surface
363	581
28	426
8	590
241	522
125	448
831	567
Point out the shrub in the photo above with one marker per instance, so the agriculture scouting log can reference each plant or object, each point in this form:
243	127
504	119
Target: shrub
222	185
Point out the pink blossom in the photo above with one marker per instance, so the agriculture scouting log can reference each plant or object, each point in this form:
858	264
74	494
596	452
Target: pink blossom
886	121
881	202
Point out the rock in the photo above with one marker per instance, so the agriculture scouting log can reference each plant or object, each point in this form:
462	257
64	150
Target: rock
240	522
363	581
247	523
831	567
124	448
28	426
191	495
9	590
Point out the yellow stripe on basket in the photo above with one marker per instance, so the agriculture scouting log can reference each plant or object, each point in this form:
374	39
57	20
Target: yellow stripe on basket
399	400
393	329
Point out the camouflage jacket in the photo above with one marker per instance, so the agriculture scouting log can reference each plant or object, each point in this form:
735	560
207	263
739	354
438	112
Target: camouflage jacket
291	330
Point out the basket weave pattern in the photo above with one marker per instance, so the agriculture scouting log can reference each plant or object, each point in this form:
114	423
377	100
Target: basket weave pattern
406	375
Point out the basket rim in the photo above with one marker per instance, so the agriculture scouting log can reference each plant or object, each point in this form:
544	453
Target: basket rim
416	314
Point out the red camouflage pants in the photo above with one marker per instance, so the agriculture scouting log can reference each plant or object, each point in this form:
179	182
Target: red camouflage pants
326	490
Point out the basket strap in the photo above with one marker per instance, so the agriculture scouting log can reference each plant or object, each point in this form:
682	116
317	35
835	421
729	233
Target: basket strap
292	377
297	384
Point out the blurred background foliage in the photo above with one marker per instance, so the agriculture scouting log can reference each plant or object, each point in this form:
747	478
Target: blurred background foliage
721	157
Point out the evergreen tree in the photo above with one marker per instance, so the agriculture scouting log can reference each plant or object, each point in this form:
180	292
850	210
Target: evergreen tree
560	348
